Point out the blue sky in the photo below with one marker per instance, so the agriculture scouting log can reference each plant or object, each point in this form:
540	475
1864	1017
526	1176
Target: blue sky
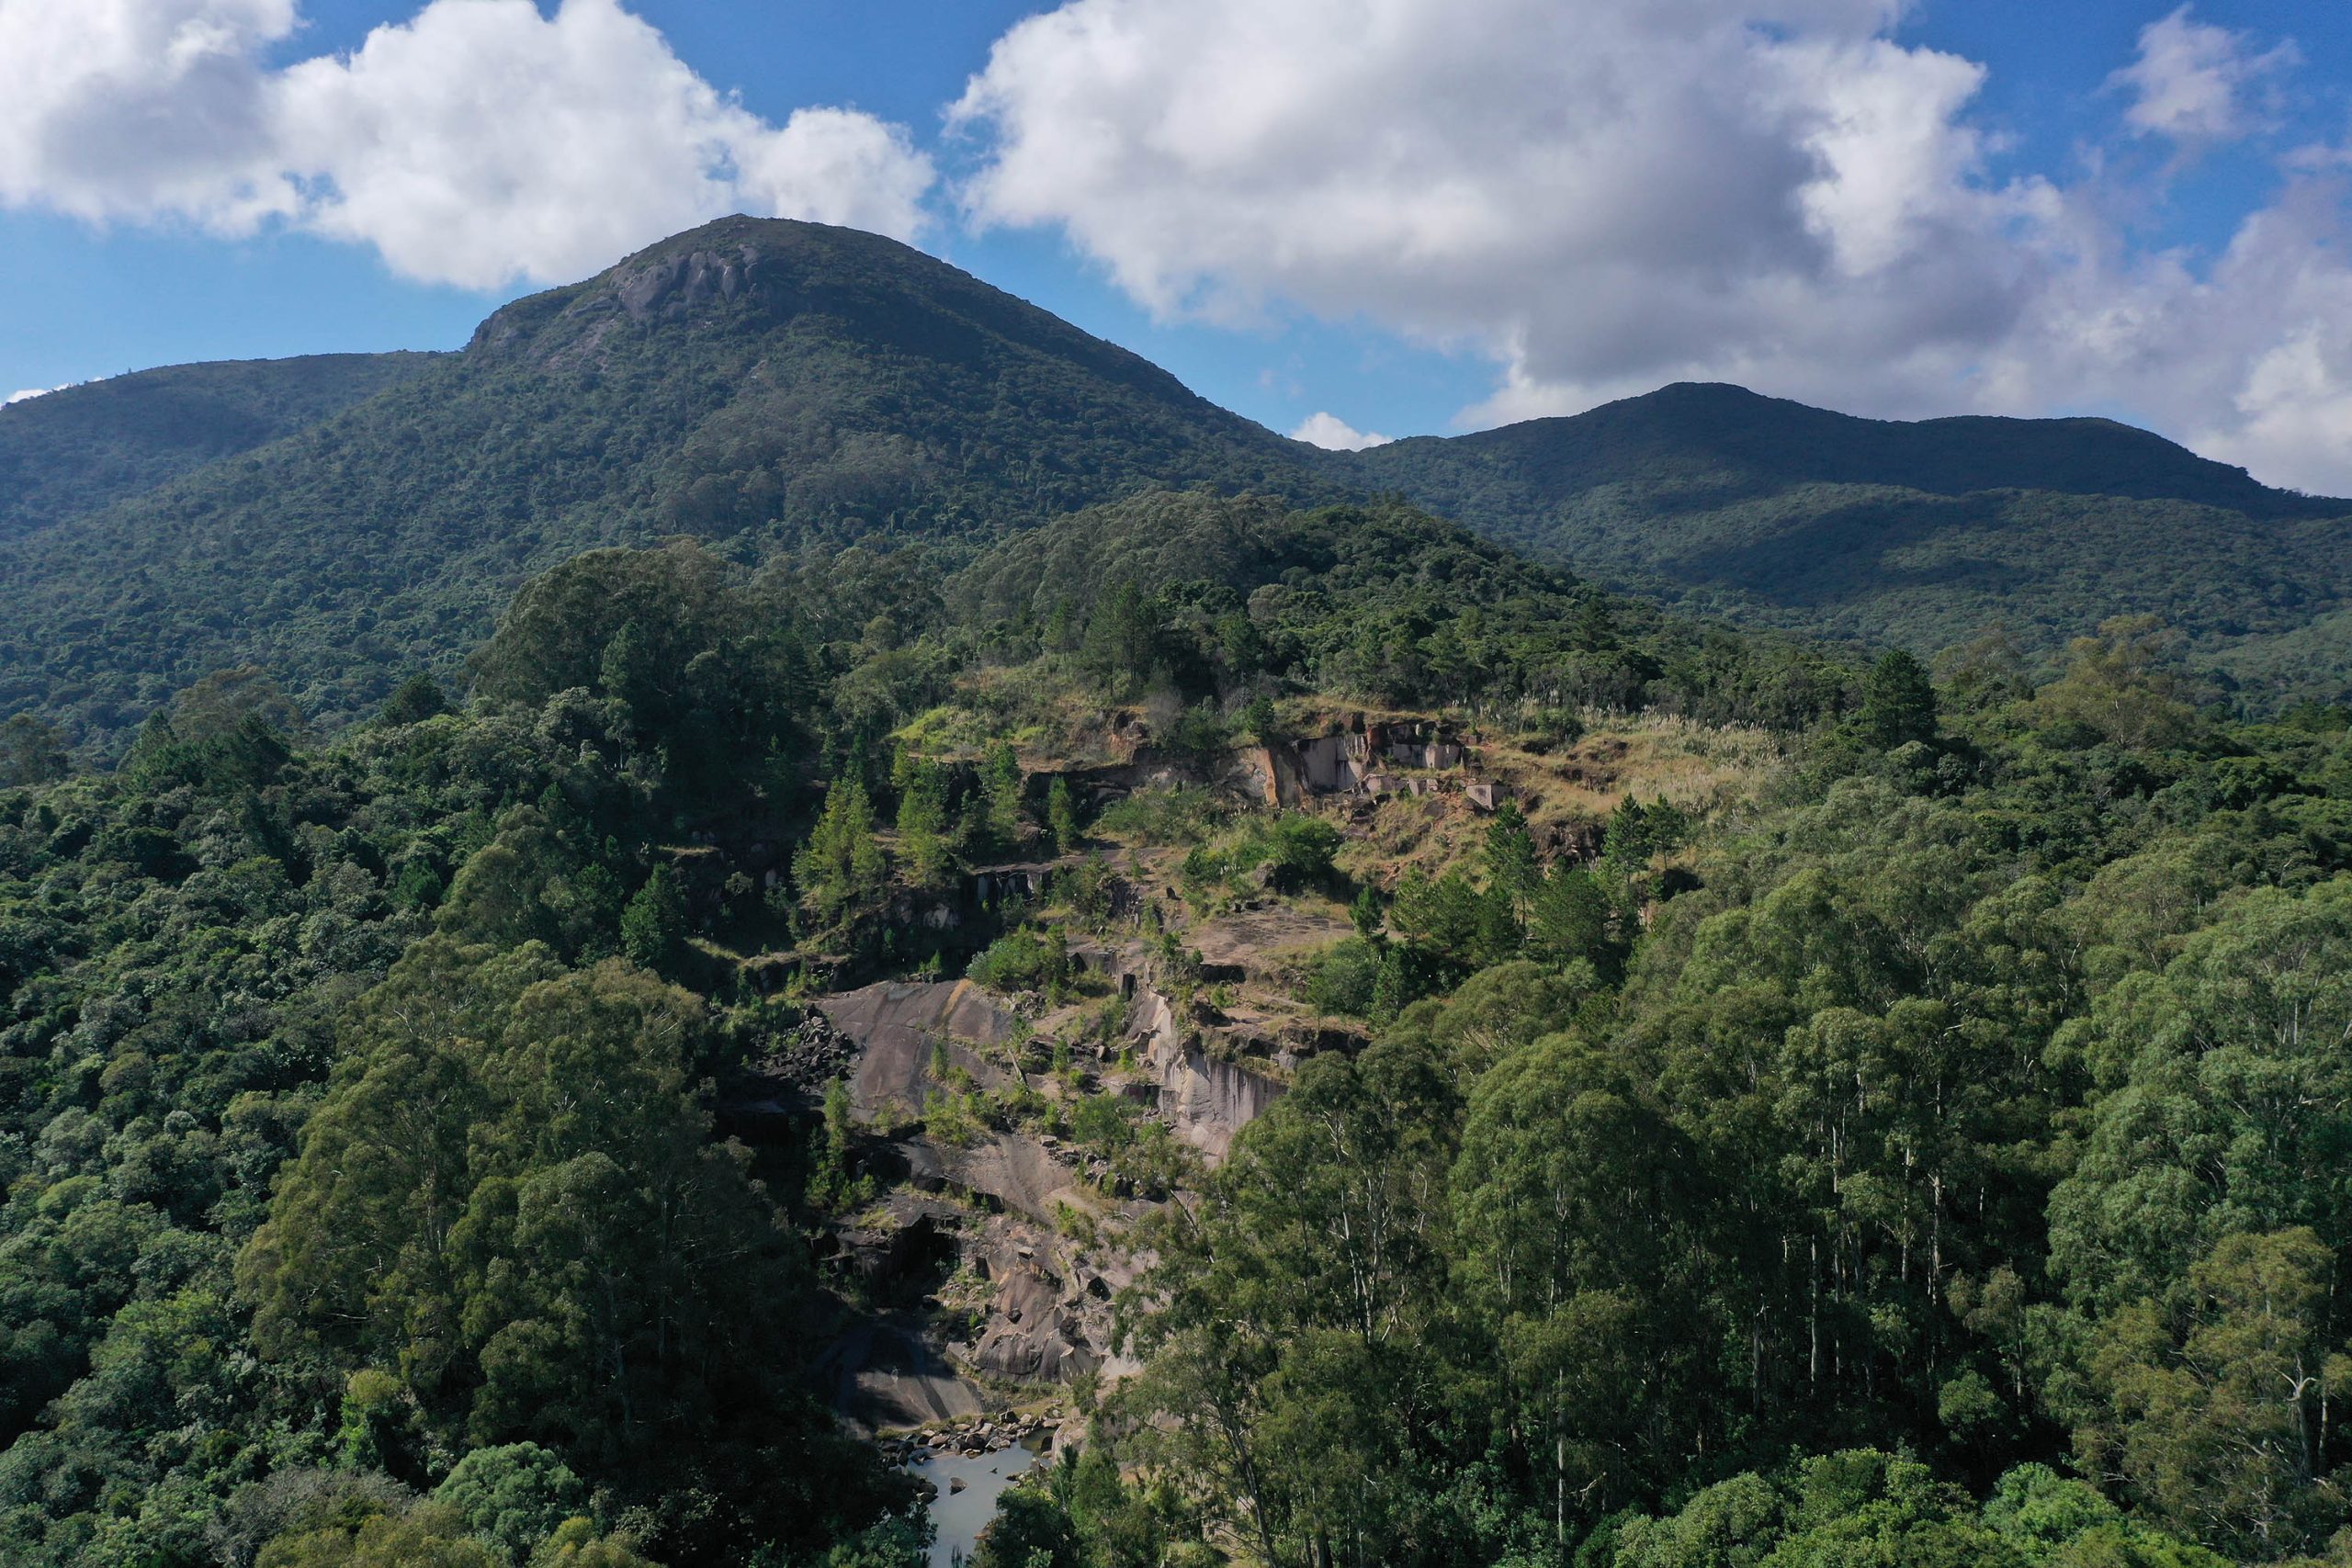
2043	235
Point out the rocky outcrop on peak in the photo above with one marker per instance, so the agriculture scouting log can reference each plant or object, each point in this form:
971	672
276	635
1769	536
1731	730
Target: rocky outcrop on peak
665	288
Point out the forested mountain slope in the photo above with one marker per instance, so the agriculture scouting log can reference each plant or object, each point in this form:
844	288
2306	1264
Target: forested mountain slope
753	381
766	383
367	1186
1926	534
1812	1116
82	448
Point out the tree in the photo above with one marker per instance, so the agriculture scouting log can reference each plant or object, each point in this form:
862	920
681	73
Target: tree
1443	917
627	672
1498	1011
575	1544
517	1202
1121	637
1000	787
654	923
514	1495
1030	1531
414	700
1258	718
843	864
1513	873
1898	702
32	751
1667	827
1626	841
1299	852
1563	1196
922	819
659	607
2228	1104
1571	918
1061	817
2123	684
1294	1370
226	701
427	1536
2220	1422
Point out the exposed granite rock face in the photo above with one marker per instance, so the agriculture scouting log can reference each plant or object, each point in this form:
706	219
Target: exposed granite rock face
905	1256
570	325
1253	773
1033	1308
884	1370
1040	1314
897	1025
1049	1318
1207	1102
1204	1100
1012	1172
672	286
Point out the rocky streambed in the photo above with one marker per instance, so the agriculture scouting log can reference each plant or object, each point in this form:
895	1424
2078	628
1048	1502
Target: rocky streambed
968	1465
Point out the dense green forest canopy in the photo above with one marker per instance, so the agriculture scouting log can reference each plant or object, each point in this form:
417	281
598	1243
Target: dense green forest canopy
364	1194
1935	1161
433	786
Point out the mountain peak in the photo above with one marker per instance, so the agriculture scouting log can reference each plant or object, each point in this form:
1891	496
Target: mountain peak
777	265
785	282
756	379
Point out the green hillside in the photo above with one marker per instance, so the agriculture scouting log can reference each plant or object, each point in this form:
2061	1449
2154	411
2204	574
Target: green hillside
86	447
921	896
1927	535
1744	1109
762	382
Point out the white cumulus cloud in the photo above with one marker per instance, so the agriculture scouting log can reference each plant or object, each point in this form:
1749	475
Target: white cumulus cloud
1597	189
1603	197
2192	81
27	394
1333	433
480	142
138	108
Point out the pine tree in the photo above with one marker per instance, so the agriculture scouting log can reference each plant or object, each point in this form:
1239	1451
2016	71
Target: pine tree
654	923
1570	920
842	862
1119	639
1513	871
1259	720
1898	702
922	819
1061	817
1001	786
1626	842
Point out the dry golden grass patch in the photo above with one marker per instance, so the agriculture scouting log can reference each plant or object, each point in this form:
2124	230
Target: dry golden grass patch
1709	772
1706	770
1050	721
